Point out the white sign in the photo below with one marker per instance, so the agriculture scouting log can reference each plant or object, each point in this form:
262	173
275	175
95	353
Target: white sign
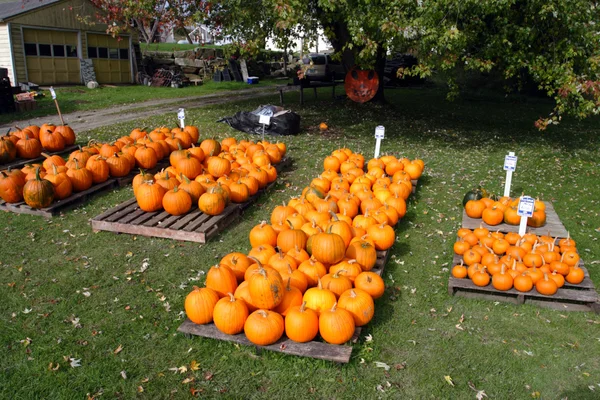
526	205
379	132
53	93
264	119
181	113
510	162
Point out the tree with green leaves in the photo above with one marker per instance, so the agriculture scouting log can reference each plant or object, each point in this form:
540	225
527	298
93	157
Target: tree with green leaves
552	43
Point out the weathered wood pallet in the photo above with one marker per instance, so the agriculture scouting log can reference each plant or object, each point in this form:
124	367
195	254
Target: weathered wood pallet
313	349
194	226
58	205
552	226
20	163
582	297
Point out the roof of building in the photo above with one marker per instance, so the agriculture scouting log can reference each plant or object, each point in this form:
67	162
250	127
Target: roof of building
14	8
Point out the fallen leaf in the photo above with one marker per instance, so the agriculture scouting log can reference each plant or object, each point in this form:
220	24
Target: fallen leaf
368	338
75	363
124	374
187	380
536	395
208	376
449	380
379	364
26	311
140	389
194	366
118	349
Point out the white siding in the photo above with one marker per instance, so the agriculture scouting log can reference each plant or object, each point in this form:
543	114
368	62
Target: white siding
6	53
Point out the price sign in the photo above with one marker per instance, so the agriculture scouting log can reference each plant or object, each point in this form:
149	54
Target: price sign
53	93
264	119
526	205
379	132
181	114
510	162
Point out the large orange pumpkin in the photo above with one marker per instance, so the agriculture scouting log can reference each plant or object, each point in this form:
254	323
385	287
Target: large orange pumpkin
361	86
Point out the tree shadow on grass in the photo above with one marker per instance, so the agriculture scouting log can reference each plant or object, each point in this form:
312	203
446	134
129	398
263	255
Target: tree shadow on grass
475	119
580	393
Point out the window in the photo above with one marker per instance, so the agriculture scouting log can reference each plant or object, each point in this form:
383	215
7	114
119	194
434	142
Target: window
113	53
92	52
102	52
45	50
318	59
71	50
124	54
31	49
58	50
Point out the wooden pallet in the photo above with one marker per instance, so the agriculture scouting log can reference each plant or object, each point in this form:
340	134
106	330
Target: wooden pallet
59	205
20	163
194	226
312	349
553	224
582	297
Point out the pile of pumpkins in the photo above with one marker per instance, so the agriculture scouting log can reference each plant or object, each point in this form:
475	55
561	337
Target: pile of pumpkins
509	260
495	212
309	271
56	178
209	176
30	142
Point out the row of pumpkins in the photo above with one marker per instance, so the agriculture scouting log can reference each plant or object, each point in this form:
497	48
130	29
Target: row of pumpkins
209	176
56	178
495	212
30	142
509	260
309	270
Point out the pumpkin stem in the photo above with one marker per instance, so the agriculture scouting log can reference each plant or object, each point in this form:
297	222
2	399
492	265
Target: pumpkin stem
334	307
37	174
319	284
303	307
337	274
231	297
54	169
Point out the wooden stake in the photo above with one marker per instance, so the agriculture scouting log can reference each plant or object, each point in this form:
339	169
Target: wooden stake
59	113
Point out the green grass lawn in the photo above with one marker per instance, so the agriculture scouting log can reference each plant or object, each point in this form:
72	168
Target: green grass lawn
69	293
80	98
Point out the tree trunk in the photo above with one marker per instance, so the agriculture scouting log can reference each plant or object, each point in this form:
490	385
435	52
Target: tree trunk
380	69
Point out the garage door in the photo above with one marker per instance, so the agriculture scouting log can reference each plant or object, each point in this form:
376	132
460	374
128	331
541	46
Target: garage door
51	56
110	57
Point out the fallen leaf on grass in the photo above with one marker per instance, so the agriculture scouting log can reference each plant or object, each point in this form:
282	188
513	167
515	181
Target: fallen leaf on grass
187	380
536	395
448	379
75	363
368	338
26	310
194	366
51	367
118	349
140	389
124	374
208	376
379	364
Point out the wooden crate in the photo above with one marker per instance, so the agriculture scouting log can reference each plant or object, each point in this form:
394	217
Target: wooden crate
582	297
58	205
20	162
553	224
194	226
312	349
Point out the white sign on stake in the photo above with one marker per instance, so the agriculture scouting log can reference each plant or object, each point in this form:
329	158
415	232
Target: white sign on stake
181	116
379	136
525	210
53	93
264	119
510	164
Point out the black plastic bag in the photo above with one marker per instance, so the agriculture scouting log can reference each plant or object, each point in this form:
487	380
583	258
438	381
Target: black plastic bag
283	122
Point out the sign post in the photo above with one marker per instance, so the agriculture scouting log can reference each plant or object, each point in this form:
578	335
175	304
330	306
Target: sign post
53	93
264	120
379	136
510	164
181	117
525	210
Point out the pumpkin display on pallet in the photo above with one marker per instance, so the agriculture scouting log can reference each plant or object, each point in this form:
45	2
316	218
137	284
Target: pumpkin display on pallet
510	261
494	211
96	162
217	173
319	280
29	142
